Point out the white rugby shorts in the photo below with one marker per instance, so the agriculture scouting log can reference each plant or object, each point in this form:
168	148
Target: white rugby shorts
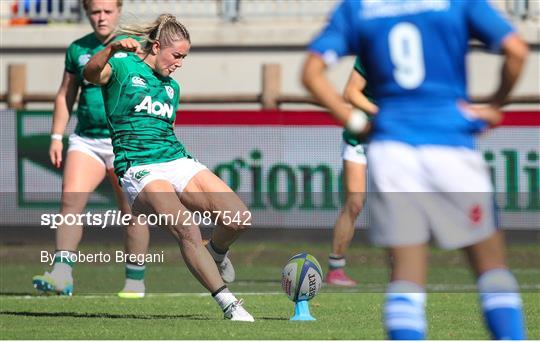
99	149
178	172
355	154
421	192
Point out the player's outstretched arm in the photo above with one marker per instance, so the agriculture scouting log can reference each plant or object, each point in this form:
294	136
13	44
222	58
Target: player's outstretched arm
97	70
316	82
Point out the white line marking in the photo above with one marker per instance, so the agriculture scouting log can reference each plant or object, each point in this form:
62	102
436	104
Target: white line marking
439	288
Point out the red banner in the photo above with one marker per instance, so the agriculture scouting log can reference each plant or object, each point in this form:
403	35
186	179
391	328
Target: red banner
302	118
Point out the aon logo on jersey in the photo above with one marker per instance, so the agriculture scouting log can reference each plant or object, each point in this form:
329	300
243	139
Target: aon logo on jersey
156	108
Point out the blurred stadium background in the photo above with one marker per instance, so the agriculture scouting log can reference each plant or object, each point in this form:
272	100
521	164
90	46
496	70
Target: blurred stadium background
244	114
232	40
241	79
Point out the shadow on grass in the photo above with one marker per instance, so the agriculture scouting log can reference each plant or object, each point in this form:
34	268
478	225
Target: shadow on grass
271	318
100	315
263	281
13	294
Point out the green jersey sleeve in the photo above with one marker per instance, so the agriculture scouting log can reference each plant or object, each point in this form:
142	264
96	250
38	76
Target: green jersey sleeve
69	63
359	67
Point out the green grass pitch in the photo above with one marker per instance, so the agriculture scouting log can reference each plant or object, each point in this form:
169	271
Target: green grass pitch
177	308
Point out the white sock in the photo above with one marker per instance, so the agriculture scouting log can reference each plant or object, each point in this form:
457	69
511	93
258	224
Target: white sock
336	261
224	298
134	285
62	270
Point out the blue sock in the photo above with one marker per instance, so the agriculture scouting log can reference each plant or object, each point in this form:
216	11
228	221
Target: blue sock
404	311
501	305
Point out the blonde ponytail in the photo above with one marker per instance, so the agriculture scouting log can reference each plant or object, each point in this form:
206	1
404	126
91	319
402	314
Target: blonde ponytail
166	29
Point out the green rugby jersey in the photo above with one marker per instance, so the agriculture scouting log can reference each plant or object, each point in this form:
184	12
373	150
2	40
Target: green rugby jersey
91	120
141	108
348	137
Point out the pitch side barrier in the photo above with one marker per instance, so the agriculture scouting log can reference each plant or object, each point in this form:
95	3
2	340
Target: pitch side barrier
285	165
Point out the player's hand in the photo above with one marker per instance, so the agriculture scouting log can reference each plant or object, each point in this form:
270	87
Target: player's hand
55	152
127	44
491	114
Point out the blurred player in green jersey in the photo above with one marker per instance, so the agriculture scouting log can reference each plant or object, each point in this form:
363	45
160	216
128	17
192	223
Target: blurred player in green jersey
89	157
354	179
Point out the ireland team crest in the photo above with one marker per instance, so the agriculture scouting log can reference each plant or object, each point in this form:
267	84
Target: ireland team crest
170	91
83	59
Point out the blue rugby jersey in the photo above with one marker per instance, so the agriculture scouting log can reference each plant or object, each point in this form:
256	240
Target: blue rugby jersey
414	54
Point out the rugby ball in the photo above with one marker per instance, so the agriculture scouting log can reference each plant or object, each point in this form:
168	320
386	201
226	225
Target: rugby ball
301	277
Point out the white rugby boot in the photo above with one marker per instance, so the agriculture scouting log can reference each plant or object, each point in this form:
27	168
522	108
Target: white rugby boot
236	312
